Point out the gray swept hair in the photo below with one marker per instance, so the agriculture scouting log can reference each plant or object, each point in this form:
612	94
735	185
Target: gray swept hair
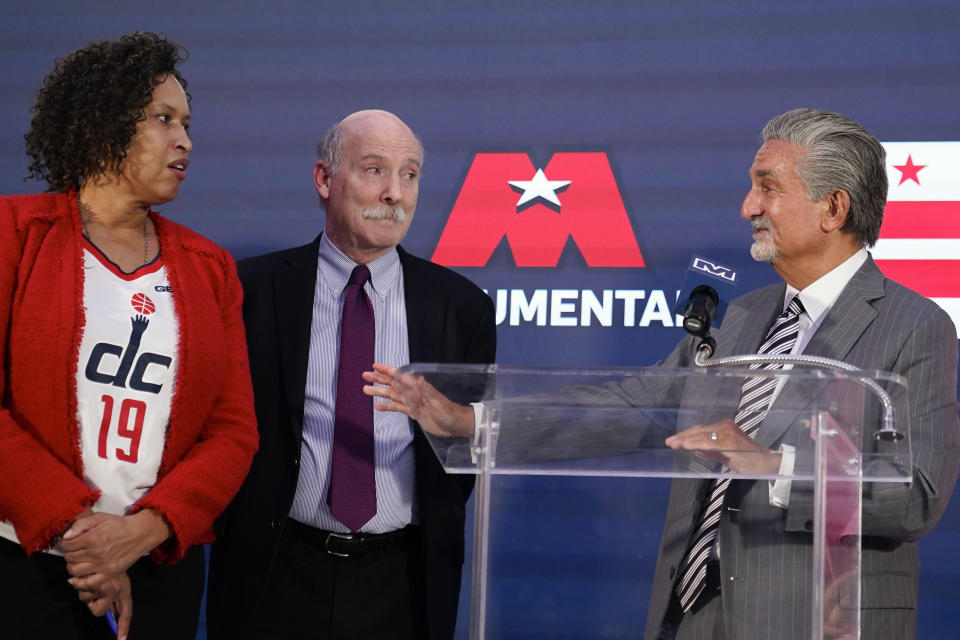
329	148
840	154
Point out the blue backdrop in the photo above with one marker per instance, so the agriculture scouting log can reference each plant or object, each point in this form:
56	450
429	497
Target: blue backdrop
672	95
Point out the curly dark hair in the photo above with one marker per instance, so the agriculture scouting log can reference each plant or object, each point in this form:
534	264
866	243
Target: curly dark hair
88	108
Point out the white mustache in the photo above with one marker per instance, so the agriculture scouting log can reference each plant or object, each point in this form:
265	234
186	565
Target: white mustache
385	212
758	224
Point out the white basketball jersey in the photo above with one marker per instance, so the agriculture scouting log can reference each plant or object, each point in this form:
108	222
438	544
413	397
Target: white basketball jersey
125	377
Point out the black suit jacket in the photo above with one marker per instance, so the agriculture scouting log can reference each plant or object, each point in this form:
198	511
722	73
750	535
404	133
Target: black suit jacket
448	320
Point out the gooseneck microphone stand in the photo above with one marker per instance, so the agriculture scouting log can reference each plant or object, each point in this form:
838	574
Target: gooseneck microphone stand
887	432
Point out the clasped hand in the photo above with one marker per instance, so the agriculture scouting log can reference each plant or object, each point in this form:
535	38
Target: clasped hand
99	548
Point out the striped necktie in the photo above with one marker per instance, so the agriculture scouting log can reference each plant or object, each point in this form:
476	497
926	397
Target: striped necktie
755	396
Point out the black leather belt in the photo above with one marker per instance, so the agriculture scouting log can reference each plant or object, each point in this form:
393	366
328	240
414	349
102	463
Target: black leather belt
348	545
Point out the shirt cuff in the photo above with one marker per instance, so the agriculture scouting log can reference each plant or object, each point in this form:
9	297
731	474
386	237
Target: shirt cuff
780	489
477	414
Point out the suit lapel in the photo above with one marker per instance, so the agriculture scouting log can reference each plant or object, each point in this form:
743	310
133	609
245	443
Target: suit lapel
293	290
424	311
850	315
840	330
757	321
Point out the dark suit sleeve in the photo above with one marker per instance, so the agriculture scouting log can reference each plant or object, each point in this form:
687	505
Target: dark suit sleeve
481	346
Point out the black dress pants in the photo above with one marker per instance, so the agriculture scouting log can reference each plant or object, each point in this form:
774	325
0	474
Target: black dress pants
36	602
314	595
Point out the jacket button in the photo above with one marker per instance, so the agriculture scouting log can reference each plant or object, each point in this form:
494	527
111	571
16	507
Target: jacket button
275	524
296	461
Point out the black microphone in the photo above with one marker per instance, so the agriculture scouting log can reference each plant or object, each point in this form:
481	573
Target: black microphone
700	310
702	301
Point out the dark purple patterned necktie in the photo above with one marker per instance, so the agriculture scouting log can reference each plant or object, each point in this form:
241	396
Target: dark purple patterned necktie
353	492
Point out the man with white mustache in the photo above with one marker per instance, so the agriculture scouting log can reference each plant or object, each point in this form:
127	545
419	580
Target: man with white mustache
384	212
296	557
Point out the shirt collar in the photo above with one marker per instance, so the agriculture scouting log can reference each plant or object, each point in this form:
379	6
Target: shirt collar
818	297
335	269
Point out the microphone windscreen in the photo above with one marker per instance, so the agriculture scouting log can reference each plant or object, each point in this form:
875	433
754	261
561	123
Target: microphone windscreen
709	273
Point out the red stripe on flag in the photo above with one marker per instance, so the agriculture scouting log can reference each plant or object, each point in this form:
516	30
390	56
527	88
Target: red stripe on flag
921	220
931	278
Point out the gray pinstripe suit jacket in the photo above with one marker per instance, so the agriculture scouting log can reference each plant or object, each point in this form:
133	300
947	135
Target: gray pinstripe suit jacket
876	324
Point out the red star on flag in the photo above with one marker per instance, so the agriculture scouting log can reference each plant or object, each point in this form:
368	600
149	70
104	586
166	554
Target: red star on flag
909	171
919	242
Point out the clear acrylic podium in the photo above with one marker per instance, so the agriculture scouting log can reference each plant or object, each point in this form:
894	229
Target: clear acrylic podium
613	423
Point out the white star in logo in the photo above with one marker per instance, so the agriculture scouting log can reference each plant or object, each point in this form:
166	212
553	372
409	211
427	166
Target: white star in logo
539	187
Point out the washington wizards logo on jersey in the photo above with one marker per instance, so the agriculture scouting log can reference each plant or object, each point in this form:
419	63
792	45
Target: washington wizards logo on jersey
133	365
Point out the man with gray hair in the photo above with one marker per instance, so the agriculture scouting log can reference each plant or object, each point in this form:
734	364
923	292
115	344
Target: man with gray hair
818	189
735	557
347	528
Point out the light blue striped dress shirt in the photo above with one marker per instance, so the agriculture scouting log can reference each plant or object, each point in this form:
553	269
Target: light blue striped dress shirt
393	435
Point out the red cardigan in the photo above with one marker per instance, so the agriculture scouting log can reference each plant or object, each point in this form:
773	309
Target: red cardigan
212	433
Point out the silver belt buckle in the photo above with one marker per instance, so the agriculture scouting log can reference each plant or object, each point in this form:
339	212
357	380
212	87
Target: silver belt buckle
342	536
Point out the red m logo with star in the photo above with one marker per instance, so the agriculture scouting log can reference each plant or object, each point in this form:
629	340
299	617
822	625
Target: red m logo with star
538	210
920	239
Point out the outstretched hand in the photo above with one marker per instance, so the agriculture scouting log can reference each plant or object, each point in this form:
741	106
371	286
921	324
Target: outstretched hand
414	396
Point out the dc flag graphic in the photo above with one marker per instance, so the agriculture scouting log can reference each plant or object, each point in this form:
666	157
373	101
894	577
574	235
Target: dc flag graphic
538	209
919	242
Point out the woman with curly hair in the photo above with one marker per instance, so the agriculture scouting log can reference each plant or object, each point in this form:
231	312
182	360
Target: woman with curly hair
126	422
